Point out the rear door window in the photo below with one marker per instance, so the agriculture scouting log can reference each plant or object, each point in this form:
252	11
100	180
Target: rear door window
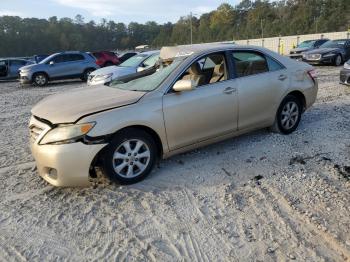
76	57
18	62
249	63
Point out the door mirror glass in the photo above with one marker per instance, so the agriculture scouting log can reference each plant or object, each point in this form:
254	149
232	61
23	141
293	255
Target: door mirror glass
184	85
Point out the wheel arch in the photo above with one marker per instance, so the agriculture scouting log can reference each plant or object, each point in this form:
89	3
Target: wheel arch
299	95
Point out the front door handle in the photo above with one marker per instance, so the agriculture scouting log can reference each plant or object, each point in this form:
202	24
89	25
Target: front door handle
230	90
282	77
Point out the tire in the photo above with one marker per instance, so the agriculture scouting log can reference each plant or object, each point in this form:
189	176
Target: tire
288	115
40	79
86	74
130	156
338	60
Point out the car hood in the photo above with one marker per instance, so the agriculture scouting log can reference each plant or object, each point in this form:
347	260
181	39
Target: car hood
115	70
28	67
300	50
68	107
323	50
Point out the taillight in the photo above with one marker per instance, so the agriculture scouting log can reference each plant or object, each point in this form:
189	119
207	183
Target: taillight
313	74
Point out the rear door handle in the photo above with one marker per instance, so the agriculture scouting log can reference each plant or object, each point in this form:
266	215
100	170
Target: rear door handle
282	77
230	90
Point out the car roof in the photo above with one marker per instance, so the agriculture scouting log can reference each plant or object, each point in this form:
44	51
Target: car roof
149	52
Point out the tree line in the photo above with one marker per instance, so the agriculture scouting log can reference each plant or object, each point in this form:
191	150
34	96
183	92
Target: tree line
248	19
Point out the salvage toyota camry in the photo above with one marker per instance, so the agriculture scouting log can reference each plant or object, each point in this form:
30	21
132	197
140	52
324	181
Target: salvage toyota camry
206	93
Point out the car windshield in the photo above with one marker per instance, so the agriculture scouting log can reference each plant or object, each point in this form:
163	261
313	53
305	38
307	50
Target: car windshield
307	44
134	61
47	59
334	44
148	83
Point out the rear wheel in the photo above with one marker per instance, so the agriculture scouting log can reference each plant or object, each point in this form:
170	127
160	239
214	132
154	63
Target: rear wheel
338	60
130	157
40	79
288	115
86	74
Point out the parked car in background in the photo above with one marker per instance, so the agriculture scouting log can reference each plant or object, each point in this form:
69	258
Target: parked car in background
65	65
345	74
106	58
125	56
134	64
208	93
297	53
9	68
333	52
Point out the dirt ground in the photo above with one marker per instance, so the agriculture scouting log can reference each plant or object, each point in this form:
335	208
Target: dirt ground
258	197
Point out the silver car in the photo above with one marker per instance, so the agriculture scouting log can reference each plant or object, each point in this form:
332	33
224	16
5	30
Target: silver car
9	68
65	65
201	94
131	66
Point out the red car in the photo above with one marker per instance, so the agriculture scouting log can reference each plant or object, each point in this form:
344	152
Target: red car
105	58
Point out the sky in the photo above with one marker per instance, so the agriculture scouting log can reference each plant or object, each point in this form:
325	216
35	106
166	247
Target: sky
125	11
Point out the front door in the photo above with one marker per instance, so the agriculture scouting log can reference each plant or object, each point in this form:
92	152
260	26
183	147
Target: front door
208	111
3	68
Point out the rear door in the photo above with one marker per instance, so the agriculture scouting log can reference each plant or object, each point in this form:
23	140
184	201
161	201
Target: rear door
261	83
78	64
208	111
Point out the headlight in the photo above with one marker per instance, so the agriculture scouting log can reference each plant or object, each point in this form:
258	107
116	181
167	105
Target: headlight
102	77
66	134
347	66
329	55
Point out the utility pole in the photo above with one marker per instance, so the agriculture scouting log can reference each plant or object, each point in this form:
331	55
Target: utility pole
262	28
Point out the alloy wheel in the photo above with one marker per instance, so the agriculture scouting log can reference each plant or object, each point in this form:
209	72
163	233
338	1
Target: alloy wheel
131	158
289	115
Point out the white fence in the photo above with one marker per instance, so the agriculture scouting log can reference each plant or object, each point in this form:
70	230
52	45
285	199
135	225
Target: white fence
284	44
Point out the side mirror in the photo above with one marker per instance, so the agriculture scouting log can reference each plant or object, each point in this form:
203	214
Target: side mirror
184	85
52	63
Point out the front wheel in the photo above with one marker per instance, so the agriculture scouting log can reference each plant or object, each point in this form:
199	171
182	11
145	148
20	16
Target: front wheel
130	157
338	60
288	115
40	79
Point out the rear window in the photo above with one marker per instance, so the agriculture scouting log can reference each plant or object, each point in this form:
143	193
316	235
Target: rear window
76	57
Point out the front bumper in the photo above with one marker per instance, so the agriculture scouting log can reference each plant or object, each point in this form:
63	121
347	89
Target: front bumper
62	165
344	76
321	61
25	77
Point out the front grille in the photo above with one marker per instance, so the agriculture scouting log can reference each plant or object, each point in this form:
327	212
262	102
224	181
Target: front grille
35	132
313	57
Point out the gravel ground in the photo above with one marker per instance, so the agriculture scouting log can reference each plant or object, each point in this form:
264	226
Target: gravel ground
258	197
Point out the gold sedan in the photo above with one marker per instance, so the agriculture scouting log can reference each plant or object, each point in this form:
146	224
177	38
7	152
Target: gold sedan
200	94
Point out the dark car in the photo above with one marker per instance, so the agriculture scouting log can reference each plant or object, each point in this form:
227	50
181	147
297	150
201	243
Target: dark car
345	74
125	56
9	68
332	52
297	53
106	58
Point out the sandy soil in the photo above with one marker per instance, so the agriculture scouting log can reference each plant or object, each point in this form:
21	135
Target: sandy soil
258	197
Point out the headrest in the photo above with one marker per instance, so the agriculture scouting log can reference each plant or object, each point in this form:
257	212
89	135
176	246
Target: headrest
195	69
219	69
